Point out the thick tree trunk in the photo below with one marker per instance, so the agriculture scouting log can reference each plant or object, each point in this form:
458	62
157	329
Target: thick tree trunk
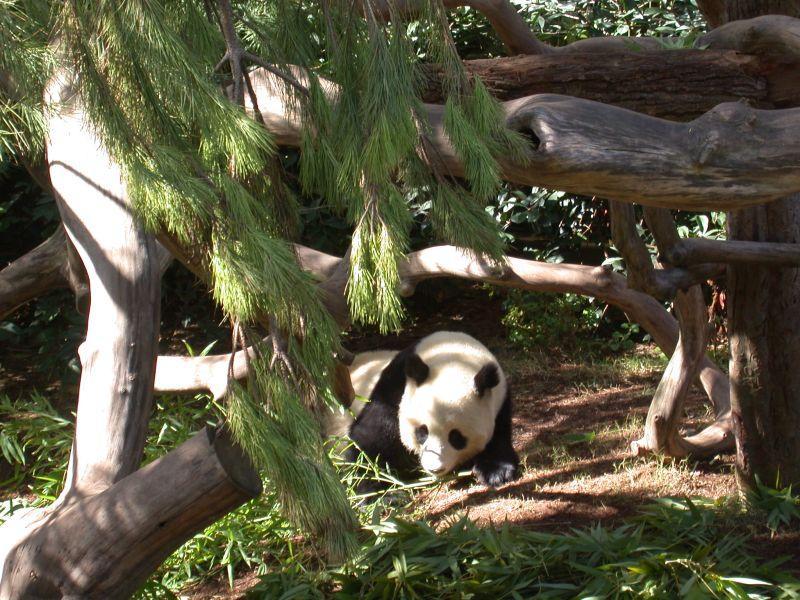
671	84
113	522
764	330
763	326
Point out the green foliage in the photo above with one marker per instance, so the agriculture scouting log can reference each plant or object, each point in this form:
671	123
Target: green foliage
35	440
561	23
676	548
781	506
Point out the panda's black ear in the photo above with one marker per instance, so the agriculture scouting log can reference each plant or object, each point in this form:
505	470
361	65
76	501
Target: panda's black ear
416	369
487	378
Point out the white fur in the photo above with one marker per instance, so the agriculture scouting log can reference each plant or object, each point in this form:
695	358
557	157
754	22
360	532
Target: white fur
448	400
364	373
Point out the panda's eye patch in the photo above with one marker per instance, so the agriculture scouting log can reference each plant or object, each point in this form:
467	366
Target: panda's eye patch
457	439
421	433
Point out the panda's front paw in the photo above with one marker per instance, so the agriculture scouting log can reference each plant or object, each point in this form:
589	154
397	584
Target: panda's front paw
495	472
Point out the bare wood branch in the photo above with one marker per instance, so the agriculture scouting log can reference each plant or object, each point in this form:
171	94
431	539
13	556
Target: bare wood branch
122	263
641	274
106	545
191	374
671	84
661	434
691	251
37	272
715	162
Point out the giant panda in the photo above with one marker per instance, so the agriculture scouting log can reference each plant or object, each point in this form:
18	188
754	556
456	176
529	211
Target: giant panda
440	404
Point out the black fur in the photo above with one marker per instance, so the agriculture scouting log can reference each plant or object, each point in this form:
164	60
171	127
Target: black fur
487	378
498	463
376	431
416	369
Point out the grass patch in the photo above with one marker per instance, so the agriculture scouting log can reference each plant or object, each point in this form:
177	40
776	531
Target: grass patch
674	549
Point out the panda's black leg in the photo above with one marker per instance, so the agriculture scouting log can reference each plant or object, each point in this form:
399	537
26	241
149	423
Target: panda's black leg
498	463
377	434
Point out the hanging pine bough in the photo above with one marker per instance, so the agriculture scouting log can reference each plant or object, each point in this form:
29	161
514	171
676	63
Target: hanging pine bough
25	63
369	148
201	171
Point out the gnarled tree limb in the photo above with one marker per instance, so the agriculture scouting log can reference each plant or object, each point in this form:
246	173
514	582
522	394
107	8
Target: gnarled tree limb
204	373
662	433
716	162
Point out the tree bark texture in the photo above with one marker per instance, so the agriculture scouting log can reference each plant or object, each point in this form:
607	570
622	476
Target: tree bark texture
763	303
718	161
672	84
764	331
118	355
106	545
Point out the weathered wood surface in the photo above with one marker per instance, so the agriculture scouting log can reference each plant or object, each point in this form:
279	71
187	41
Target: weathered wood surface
122	262
671	84
662	427
690	251
764	333
106	545
763	303
38	272
730	157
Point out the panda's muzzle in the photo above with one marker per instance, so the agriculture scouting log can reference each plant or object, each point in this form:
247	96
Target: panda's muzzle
432	462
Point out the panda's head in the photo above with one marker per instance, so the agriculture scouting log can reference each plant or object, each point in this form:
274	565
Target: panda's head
452	395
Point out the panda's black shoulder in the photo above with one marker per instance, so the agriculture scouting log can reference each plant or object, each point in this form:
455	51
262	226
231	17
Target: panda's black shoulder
392	382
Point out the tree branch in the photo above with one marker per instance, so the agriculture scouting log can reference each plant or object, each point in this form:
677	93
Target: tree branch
690	251
108	544
716	162
671	84
204	373
38	272
661	433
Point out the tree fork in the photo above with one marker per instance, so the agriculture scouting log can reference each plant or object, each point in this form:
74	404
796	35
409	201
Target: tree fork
661	434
